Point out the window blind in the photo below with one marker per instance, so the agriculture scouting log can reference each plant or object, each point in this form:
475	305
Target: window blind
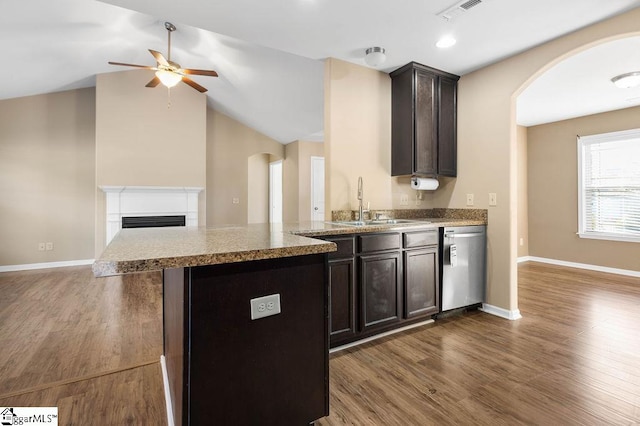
610	185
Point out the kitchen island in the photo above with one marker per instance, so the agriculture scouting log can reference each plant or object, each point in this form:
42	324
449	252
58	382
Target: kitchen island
231	357
220	365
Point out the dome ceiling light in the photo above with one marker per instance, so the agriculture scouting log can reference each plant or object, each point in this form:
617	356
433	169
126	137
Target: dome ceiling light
627	81
375	56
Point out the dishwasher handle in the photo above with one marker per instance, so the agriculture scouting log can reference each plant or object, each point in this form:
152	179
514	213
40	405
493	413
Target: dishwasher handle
470	234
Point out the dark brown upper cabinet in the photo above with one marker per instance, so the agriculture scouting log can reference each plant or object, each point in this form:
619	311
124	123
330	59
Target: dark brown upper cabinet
423	121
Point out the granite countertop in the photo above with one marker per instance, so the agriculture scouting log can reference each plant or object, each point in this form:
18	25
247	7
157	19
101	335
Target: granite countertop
152	249
320	229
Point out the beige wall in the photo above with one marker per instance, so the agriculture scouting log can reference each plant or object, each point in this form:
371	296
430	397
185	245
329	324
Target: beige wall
553	192
357	125
47	177
56	148
140	141
358	140
229	145
258	188
523	192
487	147
297	179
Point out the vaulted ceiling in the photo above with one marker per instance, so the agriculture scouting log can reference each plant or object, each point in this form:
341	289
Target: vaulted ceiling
269	53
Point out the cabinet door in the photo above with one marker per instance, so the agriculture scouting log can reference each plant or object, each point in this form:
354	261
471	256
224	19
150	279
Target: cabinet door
381	290
342	294
447	124
426	131
402	123
421	289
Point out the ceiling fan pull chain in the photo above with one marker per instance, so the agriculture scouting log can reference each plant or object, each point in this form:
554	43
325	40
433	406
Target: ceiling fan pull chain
169	46
168	97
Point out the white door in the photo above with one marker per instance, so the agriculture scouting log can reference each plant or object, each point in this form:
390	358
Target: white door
275	192
317	188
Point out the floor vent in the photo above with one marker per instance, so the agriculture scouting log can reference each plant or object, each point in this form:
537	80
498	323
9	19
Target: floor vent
459	8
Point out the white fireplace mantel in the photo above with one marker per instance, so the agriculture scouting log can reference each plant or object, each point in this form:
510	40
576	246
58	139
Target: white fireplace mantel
149	201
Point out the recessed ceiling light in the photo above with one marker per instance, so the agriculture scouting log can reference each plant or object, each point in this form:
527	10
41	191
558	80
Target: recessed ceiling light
446	42
627	81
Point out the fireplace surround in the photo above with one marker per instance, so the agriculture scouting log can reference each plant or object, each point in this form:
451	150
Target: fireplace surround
147	201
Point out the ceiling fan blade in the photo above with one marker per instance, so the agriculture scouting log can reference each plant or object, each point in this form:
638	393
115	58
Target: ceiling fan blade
154	82
194	84
209	73
159	58
132	65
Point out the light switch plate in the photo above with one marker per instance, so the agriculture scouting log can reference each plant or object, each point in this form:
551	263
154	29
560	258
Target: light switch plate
493	199
265	306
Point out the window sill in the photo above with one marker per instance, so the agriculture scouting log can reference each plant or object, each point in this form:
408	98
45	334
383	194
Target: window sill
609	237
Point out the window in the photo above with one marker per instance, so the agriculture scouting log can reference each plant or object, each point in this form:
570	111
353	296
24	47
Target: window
609	186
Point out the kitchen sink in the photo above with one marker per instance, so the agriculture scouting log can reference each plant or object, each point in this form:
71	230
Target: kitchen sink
349	223
390	221
377	222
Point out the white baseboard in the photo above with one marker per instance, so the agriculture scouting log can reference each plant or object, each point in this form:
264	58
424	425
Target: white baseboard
597	268
501	312
378	336
167	395
524	259
30	266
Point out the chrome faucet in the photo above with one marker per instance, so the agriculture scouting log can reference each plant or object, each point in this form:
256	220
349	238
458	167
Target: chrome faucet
360	211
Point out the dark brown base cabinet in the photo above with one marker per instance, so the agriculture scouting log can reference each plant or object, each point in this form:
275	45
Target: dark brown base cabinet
225	368
381	290
421	272
381	281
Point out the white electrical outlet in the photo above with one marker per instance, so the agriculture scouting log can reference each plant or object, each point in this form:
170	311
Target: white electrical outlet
404	200
236	201
469	199
493	199
265	306
521	241
41	247
49	246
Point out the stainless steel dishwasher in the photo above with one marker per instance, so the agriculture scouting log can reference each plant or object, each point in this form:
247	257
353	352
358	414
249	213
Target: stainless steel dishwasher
463	257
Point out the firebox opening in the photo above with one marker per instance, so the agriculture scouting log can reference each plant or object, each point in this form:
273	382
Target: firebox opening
152	221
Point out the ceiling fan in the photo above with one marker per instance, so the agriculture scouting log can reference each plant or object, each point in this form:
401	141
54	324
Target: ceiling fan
170	73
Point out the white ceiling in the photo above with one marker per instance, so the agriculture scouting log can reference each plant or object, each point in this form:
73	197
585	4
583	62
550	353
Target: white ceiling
581	84
269	53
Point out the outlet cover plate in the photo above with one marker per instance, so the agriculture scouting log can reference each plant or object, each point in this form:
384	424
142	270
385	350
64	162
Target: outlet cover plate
265	306
469	199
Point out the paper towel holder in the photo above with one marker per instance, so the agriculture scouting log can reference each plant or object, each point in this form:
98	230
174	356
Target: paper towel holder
424	184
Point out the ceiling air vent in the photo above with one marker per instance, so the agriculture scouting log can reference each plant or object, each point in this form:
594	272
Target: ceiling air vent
458	9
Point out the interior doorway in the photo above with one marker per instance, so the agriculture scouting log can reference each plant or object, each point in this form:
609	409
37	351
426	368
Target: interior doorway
275	192
317	188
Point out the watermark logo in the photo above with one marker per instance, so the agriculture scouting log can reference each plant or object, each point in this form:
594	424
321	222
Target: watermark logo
11	416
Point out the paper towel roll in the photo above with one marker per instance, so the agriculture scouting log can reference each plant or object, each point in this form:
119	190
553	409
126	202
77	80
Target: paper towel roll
427	184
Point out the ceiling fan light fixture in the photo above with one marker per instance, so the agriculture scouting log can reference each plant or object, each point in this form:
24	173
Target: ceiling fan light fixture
627	81
375	56
168	78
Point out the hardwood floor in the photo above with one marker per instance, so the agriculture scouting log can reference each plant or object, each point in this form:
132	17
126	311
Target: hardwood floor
574	358
91	347
84	344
